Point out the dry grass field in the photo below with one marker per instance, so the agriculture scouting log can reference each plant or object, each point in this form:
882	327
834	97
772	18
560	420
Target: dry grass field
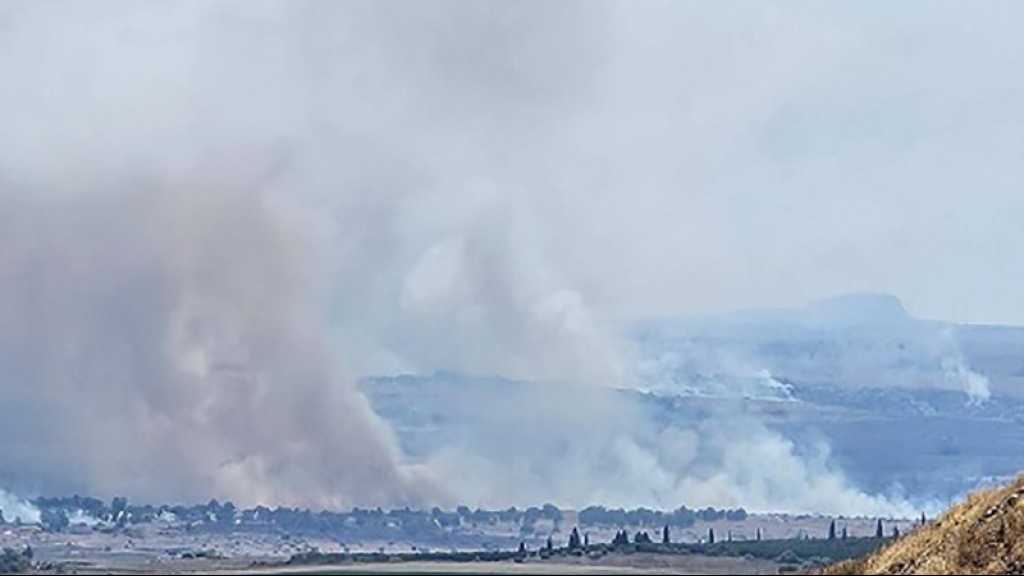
633	564
982	535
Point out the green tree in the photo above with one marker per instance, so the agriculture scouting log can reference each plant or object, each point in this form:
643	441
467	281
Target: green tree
12	562
53	520
119	511
227	514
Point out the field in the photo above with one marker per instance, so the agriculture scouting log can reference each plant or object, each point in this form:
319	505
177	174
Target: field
632	564
476	545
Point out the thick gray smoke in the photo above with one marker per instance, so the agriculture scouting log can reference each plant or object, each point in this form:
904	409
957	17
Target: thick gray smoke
215	214
169	344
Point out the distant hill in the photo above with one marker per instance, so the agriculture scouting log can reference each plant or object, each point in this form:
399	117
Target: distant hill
910	407
943	446
854	340
861	308
983	535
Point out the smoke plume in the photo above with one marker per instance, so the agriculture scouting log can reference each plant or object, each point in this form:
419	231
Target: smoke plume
14	509
214	216
172	345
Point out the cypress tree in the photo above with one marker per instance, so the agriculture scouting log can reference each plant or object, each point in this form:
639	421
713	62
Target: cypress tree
832	530
665	539
711	535
879	532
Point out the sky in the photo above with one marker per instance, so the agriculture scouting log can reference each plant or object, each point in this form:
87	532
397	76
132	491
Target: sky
479	186
663	157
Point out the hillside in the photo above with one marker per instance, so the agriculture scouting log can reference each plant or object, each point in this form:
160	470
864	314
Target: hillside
983	535
946	446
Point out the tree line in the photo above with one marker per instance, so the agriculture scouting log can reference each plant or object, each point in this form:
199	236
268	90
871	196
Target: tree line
682	517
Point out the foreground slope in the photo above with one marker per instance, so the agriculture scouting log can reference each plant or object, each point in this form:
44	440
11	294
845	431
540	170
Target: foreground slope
983	535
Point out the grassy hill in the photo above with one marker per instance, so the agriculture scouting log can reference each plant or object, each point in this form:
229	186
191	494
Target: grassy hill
982	535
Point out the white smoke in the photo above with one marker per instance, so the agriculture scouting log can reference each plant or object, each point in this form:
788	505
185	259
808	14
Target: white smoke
974	385
722	464
82	518
583	445
956	371
15	509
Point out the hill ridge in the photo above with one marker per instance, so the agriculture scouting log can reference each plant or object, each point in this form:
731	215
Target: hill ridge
982	535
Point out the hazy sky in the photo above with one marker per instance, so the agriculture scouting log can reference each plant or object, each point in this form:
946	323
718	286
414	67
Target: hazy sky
660	156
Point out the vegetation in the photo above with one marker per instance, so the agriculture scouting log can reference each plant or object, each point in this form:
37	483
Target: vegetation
316	558
425	524
216	516
798	553
682	517
14	562
983	535
795	550
365	523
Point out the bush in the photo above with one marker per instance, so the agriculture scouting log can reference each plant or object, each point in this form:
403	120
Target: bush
12	562
788	557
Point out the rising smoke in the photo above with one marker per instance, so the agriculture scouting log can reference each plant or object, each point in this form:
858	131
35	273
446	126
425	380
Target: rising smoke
577	446
15	509
215	215
172	345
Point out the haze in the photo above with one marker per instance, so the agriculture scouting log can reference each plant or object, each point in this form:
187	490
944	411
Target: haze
215	217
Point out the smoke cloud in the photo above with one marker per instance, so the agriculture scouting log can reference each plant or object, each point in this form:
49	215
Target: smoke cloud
577	446
172	346
199	252
15	509
215	215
